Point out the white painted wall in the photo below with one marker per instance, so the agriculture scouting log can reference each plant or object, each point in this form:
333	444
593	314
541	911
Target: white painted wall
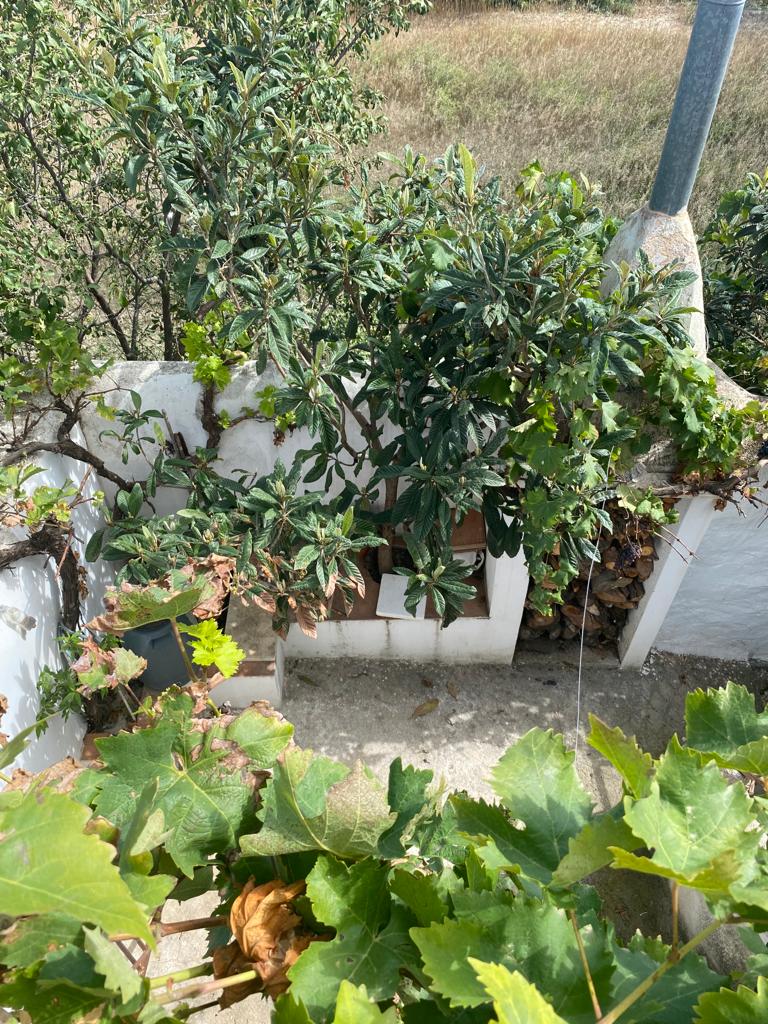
721	608
29	615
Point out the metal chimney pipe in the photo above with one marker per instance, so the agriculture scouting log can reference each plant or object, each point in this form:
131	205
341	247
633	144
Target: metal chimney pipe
709	50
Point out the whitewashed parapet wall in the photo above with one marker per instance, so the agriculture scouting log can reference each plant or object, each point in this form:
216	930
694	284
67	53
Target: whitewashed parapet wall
171	389
30	608
684	611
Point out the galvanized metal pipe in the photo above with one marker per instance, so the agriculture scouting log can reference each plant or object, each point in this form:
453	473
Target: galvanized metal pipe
709	50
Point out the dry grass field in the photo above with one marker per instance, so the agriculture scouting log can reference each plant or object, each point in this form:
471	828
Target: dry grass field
581	91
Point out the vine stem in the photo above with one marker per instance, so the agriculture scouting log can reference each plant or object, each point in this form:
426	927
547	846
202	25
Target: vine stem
674	954
173	927
614	1014
184	975
191	991
182	647
585	964
5	778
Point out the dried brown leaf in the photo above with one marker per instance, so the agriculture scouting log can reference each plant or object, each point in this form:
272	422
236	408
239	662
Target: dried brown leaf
426	708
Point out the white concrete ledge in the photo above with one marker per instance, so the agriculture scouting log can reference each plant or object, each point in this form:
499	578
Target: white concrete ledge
644	622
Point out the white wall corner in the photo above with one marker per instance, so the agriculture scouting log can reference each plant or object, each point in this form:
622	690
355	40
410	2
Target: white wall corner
644	622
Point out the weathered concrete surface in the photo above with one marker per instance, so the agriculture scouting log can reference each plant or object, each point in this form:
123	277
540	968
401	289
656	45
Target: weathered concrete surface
365	709
664	240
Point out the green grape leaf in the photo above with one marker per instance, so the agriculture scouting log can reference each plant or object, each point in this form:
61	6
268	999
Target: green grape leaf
205	782
537	783
212	647
48	865
695	823
354	1006
313	803
593	848
634	766
499	845
32	938
744	1006
515	1000
523	934
50	1003
289	1010
371	945
132	606
408	797
262	735
725	725
118	973
671	999
427	895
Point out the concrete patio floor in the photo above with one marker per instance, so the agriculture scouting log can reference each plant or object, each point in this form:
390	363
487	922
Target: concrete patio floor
370	710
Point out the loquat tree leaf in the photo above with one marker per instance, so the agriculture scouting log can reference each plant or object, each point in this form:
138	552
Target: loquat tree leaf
515	1000
313	803
633	764
49	865
371	945
725	725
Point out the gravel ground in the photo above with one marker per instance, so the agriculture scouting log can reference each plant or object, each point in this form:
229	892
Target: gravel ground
376	710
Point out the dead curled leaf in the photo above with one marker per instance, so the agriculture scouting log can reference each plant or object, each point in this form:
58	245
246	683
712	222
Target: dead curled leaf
269	937
426	708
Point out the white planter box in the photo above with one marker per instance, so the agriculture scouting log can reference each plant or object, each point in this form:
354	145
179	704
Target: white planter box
489	639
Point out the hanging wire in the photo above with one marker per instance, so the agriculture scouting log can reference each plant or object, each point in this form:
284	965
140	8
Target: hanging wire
584	616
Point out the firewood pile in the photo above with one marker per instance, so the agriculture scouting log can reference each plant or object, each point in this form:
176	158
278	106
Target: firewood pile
617	585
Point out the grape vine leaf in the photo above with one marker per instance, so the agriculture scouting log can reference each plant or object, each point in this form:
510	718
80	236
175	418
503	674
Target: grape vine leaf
206	785
354	1006
744	1006
725	725
500	845
672	997
261	734
48	865
212	647
112	965
592	848
289	1010
537	783
623	752
427	895
313	803
526	935
51	1003
515	1000
30	939
371	945
130	607
695	823
408	796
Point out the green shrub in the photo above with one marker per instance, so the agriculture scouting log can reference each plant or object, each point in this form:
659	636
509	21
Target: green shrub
735	266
